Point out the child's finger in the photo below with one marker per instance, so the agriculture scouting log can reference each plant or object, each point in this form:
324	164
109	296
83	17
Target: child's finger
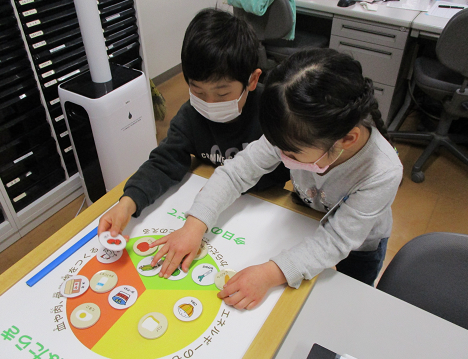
188	260
252	305
115	228
166	263
103	226
161	253
228	290
234	299
243	303
158	242
170	265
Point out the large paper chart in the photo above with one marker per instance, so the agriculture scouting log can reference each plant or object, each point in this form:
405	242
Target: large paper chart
128	311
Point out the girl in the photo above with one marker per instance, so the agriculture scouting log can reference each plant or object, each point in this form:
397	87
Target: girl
319	118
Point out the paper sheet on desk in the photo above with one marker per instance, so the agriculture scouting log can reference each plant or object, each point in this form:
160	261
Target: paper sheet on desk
420	5
436	10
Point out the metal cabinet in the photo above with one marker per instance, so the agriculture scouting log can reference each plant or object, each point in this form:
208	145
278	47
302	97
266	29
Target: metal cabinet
380	50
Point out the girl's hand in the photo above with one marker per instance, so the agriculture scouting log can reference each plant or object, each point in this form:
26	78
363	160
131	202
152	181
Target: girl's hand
116	219
248	287
184	242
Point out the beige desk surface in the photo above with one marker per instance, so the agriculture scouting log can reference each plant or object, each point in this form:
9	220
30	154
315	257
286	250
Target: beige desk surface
419	21
429	24
384	14
269	338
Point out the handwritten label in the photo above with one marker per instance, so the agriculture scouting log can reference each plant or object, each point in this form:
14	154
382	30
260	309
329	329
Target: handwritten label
33	23
50	83
45	64
29	12
39	44
36	34
47	74
57	100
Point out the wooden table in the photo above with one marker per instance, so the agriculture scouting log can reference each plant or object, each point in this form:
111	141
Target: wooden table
270	336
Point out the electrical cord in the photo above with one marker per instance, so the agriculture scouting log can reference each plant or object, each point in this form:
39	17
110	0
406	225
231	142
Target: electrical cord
418	105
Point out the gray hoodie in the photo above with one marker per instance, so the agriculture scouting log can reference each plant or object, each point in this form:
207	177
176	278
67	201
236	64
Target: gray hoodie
357	196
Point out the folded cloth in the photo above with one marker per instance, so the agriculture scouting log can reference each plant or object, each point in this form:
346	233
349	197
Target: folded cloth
259	7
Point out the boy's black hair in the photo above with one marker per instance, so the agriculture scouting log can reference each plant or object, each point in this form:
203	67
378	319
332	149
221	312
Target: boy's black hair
314	98
218	46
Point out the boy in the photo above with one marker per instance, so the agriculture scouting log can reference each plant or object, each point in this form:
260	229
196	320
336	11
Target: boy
219	62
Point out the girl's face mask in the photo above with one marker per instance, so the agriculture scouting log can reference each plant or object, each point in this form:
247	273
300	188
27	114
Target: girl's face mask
311	167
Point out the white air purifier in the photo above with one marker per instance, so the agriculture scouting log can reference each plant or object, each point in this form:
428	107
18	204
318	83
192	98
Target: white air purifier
108	111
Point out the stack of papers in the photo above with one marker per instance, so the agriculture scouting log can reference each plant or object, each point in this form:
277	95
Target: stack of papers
419	5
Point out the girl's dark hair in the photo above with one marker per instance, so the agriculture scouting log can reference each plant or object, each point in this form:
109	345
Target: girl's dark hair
218	46
314	98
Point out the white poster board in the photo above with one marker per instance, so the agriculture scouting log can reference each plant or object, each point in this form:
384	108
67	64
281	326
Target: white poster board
36	319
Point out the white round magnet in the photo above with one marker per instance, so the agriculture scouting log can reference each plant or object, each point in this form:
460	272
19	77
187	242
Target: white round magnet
204	274
202	251
145	268
142	248
74	286
103	281
178	274
188	309
117	243
223	276
123	297
85	315
152	325
108	256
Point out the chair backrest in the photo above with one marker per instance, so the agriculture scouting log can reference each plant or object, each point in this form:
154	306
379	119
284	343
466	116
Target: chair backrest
431	272
276	23
452	45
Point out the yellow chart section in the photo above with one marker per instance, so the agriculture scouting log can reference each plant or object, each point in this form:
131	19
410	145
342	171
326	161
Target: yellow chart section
178	335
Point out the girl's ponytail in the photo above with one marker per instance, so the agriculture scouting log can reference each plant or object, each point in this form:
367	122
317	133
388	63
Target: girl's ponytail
373	110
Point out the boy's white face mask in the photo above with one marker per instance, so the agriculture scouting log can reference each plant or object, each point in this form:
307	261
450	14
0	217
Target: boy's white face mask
217	111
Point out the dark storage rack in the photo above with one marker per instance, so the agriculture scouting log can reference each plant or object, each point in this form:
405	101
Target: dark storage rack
54	41
24	130
40	48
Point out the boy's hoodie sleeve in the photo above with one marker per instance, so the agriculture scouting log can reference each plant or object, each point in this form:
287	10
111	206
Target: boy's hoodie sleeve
237	175
167	165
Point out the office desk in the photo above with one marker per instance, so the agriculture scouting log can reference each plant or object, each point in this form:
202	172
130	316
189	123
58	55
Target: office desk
379	40
384	14
428	25
347	316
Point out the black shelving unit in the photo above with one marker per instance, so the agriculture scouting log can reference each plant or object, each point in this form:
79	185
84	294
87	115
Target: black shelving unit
24	130
40	48
54	41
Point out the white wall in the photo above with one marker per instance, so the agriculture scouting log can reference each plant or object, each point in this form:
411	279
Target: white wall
162	28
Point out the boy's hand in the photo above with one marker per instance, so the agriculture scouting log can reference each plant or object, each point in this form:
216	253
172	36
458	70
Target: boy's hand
184	242
117	218
248	287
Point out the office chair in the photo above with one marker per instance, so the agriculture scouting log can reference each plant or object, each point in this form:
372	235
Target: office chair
443	80
270	28
431	272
